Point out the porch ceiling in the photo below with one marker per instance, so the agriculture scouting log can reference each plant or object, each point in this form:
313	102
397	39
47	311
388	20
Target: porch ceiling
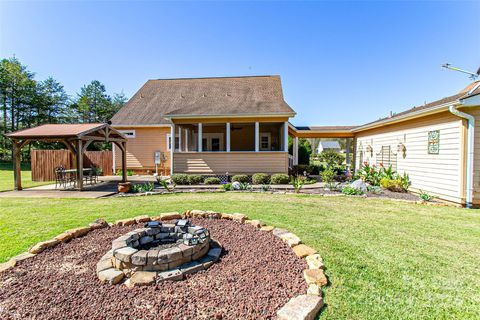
322	131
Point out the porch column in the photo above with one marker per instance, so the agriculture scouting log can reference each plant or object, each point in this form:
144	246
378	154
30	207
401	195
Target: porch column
124	161
228	136
295	151
257	135
347	153
179	139
186	139
200	139
285	136
172	146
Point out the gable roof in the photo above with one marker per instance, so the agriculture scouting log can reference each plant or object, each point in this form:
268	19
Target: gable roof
57	130
220	96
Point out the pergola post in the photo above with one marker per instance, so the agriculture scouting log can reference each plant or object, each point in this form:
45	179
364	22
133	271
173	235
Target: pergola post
17	172
295	151
347	155
79	162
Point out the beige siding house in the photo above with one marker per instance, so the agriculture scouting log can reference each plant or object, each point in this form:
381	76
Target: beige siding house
214	126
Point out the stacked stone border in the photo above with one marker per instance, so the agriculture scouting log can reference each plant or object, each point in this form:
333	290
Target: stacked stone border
302	307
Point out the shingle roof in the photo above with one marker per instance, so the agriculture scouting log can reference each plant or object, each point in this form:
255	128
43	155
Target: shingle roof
157	99
326	128
471	90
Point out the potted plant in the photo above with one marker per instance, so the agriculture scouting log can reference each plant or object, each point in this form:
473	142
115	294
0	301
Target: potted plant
124	187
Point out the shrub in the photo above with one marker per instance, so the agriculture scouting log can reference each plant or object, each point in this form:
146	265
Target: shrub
328	175
245	186
265	188
242	178
180	178
425	196
212	180
261	178
129	173
331	158
227	187
195	179
374	189
164	184
280	178
144	187
297	183
351	191
394	185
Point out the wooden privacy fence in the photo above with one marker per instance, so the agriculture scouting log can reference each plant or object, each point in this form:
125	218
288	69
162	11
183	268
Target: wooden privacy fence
44	162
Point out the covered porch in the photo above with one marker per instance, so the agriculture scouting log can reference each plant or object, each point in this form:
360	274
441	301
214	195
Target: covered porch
76	138
343	132
233	145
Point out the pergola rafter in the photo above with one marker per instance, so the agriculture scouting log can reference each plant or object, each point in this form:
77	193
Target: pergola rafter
76	137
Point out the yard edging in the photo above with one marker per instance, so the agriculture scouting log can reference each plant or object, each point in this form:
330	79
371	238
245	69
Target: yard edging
305	306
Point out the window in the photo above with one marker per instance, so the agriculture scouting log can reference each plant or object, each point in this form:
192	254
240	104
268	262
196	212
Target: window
434	142
169	142
128	133
265	142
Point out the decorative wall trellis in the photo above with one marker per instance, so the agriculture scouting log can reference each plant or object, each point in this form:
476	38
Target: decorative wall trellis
387	157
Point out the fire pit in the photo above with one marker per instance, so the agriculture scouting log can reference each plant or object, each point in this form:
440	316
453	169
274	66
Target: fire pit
159	252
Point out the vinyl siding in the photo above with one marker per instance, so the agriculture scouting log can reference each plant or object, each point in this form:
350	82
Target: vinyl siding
438	174
231	162
141	149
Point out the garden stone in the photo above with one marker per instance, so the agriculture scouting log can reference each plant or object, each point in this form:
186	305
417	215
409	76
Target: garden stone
239	217
145	240
170	216
98	224
267	228
255	223
278	232
104	265
236	185
314	261
315	276
359	184
140	278
139	258
80	232
39	247
65	237
125	254
291	239
314	290
7	265
171	275
302	250
141	219
23	256
215	253
226	216
191	267
111	276
303	307
125	222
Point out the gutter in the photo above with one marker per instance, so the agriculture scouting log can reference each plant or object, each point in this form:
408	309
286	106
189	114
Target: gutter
470	153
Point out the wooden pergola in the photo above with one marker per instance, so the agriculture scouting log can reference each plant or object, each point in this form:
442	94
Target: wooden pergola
76	137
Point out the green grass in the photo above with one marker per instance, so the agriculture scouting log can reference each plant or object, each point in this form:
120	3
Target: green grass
6	177
385	260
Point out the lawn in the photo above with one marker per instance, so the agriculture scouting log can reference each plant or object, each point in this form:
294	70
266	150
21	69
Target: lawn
385	260
6	176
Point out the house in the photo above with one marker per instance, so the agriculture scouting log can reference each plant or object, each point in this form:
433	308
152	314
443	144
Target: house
208	126
328	146
214	126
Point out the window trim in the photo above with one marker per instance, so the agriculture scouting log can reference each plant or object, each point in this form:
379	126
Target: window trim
130	134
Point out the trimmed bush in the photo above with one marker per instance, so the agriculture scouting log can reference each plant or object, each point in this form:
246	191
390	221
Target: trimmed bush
261	178
280	178
180	178
242	178
394	185
212	180
195	179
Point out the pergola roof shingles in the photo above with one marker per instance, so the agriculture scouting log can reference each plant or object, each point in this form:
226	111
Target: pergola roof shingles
76	137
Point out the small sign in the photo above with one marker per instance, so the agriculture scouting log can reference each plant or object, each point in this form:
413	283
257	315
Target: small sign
157	157
434	142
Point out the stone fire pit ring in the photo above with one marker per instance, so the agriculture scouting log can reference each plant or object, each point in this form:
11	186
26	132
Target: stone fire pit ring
159	252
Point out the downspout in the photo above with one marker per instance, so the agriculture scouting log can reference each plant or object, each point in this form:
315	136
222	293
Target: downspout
470	153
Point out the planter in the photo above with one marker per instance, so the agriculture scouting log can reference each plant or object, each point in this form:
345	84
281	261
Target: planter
124	187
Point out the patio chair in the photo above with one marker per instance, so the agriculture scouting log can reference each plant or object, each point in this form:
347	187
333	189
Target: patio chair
60	177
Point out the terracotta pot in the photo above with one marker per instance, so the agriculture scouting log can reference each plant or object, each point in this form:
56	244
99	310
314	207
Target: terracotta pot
124	187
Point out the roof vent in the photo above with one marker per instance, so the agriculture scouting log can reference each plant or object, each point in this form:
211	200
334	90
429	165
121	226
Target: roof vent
204	95
228	94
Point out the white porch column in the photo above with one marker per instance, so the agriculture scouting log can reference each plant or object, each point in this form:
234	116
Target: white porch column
172	146
200	139
186	139
285	136
347	155
228	136
179	139
295	151
257	136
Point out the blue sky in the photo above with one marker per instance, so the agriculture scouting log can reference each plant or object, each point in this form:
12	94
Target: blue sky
340	62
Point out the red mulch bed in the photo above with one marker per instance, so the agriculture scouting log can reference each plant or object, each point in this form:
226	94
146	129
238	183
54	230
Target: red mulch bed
255	277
